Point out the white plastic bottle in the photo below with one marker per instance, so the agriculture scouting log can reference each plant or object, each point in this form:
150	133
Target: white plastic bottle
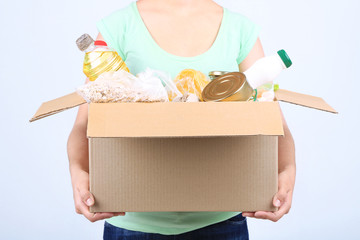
266	69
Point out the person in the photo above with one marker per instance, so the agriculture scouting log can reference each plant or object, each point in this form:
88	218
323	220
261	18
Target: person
171	36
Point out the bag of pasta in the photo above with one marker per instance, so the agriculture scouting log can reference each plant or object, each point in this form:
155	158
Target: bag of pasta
191	82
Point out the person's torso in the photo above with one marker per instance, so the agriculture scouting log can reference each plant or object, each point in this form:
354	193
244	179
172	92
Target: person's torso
140	50
126	32
182	30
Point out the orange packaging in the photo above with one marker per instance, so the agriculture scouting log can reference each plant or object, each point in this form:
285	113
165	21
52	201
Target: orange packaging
191	81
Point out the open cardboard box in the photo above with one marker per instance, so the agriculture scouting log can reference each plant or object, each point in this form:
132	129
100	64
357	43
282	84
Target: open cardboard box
206	156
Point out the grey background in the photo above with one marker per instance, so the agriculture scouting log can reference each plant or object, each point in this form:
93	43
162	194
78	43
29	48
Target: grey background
39	61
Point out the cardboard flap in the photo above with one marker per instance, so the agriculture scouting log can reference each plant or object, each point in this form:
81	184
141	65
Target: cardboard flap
58	105
184	119
303	100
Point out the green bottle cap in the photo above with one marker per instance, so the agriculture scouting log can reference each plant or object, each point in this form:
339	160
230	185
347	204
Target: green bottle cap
285	58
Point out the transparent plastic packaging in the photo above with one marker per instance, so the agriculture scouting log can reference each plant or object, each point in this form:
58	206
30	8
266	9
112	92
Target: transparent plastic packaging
121	86
265	93
168	83
190	81
186	97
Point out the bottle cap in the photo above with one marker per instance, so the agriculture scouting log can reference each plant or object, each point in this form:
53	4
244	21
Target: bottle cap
285	58
84	41
100	43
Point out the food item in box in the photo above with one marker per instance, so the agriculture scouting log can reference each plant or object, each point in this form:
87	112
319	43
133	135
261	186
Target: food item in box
228	87
191	81
238	86
267	96
265	93
215	74
266	69
168	83
234	87
186	97
99	58
121	86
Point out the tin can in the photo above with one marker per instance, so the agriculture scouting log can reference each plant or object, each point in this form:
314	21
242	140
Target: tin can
228	87
215	74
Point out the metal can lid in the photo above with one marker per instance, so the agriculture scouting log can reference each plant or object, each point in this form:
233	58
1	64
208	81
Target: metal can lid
215	74
223	86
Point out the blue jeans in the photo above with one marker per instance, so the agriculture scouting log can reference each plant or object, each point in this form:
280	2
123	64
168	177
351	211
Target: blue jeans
234	228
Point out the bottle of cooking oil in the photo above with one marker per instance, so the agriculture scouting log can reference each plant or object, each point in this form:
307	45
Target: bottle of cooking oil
99	58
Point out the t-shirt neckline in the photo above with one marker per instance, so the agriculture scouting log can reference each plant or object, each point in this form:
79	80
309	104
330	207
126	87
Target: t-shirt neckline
176	57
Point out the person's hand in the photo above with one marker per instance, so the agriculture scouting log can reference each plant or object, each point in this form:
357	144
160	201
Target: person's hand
84	199
282	200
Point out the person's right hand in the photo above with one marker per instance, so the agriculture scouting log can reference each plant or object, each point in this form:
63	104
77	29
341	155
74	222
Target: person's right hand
84	199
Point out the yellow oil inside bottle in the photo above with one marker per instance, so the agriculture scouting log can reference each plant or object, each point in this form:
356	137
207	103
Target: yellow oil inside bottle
98	62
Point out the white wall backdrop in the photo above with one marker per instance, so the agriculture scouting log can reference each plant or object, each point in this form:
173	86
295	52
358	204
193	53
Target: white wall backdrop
39	61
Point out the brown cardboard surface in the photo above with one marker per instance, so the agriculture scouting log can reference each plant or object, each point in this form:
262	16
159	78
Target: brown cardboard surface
303	100
58	105
183	174
184	119
183	156
73	99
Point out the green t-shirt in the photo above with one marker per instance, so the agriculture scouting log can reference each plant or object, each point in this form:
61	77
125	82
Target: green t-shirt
125	31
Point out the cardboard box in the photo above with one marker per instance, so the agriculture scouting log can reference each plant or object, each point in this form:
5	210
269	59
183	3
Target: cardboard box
183	156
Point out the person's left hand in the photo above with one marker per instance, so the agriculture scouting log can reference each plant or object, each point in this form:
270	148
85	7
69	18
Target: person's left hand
282	200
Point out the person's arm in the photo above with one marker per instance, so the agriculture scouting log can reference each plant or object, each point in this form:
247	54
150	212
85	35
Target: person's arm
286	157
78	154
256	53
286	181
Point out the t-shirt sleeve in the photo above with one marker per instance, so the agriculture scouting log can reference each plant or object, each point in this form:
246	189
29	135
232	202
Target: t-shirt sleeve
249	33
112	28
